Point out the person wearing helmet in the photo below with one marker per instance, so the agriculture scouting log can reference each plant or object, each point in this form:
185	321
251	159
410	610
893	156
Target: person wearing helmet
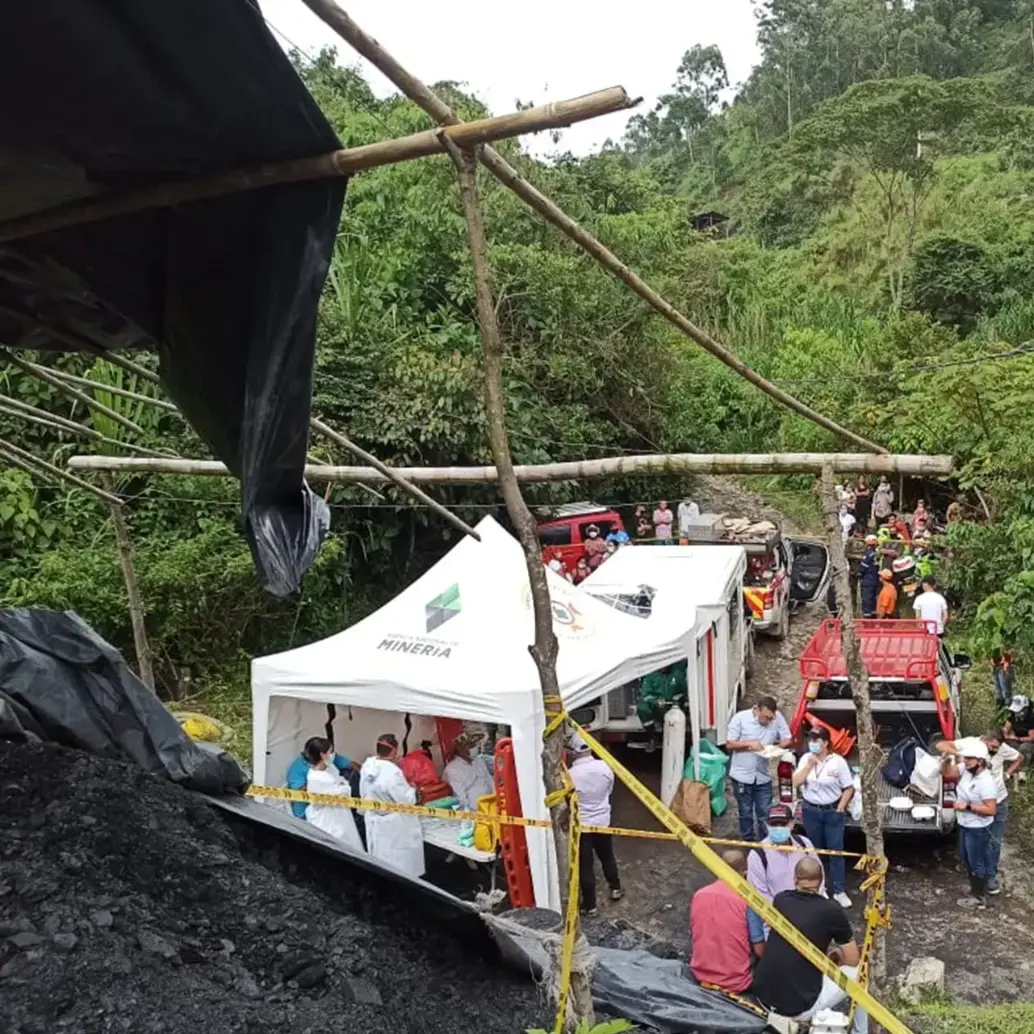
887	600
1019	726
594	783
869	576
976	801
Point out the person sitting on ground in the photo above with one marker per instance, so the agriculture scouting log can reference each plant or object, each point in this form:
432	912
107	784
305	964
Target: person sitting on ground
663	519
1019	726
467	774
785	981
887	600
931	607
324	777
298	777
595	547
594	783
726	934
772	872
393	837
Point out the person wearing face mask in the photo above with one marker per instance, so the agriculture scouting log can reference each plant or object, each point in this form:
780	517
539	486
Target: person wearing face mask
392	837
298	777
771	872
750	731
467	774
976	801
826	786
323	777
595	547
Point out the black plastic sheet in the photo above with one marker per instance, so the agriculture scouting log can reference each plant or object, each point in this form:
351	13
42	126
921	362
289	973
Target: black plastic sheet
60	681
111	95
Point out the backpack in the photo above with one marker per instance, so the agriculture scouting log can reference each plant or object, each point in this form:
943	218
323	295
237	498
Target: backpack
898	769
795	841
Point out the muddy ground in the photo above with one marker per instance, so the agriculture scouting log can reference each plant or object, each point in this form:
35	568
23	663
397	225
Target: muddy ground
989	956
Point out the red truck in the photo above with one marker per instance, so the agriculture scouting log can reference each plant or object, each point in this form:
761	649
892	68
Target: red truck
564	530
914	685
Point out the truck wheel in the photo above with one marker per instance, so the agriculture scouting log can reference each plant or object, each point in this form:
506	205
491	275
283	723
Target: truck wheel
784	624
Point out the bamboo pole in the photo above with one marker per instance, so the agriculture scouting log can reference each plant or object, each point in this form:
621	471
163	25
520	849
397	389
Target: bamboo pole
544	650
334	165
125	393
136	604
389	474
585	470
13	453
66	389
420	94
12	407
870	756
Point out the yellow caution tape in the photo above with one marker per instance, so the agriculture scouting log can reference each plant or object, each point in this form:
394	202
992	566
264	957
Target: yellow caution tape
775	919
280	793
571	917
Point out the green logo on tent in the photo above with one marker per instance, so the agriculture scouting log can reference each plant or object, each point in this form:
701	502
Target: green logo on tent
443	607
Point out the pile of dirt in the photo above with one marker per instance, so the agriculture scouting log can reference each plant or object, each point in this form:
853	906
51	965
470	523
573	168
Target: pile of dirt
127	904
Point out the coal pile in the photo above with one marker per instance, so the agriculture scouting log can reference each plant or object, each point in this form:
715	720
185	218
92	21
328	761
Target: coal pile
127	904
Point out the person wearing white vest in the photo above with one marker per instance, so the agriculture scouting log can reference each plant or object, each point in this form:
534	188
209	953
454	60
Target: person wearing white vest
392	837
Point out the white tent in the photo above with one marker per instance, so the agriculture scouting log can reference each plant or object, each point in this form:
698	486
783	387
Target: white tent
455	644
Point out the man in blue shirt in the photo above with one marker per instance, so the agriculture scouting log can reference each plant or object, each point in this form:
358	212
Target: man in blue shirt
298	777
749	732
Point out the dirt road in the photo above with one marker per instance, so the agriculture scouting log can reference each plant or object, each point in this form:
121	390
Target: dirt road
989	956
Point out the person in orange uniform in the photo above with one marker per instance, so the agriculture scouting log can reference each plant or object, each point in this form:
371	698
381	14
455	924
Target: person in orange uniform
887	601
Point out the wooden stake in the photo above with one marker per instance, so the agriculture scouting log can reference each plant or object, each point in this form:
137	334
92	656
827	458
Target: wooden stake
111	389
544	650
420	94
334	165
582	470
389	474
870	755
45	375
136	603
13	453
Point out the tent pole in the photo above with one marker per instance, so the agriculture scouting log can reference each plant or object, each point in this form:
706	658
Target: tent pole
544	650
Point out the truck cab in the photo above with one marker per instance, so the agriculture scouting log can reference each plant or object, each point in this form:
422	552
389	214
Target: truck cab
562	530
914	686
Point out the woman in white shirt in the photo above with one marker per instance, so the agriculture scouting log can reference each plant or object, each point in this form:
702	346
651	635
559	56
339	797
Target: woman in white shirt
976	801
826	786
326	779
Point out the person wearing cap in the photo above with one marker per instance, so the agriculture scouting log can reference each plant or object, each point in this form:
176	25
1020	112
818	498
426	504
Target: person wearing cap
749	732
467	774
826	787
976	801
392	837
887	600
594	783
770	872
1019	726
869	576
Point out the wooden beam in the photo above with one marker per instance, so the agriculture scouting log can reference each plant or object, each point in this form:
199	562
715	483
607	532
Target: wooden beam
391	475
125	393
421	94
579	470
21	458
334	165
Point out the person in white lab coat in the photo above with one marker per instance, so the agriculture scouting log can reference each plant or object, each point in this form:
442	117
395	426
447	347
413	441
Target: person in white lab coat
467	774
393	838
323	777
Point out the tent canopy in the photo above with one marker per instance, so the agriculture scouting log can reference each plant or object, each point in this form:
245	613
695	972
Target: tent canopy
455	644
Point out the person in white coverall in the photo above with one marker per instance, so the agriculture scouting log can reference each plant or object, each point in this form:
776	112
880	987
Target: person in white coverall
392	837
323	777
467	774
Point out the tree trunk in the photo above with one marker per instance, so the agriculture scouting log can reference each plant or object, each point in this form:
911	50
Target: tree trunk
869	754
136	603
544	651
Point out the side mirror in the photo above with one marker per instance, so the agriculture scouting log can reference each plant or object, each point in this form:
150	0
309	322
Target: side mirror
962	661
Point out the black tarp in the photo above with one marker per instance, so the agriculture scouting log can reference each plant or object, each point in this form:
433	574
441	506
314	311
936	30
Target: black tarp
61	682
109	95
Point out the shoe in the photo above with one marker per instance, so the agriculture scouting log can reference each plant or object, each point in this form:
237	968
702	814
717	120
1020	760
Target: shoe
994	888
971	902
842	899
616	894
590	913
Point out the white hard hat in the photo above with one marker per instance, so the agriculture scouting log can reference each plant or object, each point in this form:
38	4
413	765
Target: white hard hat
577	745
973	748
1019	703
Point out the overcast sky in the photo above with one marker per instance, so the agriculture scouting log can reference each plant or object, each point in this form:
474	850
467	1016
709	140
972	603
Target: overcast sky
539	50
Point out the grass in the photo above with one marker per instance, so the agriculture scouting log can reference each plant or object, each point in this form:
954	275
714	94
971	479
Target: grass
225	695
941	1018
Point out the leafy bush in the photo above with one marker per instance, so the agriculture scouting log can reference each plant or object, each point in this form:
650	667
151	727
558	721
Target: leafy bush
954	281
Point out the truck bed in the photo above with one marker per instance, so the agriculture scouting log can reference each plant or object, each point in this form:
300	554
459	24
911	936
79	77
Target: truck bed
897	821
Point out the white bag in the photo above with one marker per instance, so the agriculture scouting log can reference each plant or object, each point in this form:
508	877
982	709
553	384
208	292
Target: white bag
926	775
855	807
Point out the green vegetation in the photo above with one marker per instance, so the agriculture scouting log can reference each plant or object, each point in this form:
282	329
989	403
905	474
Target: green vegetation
877	175
1008	1018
